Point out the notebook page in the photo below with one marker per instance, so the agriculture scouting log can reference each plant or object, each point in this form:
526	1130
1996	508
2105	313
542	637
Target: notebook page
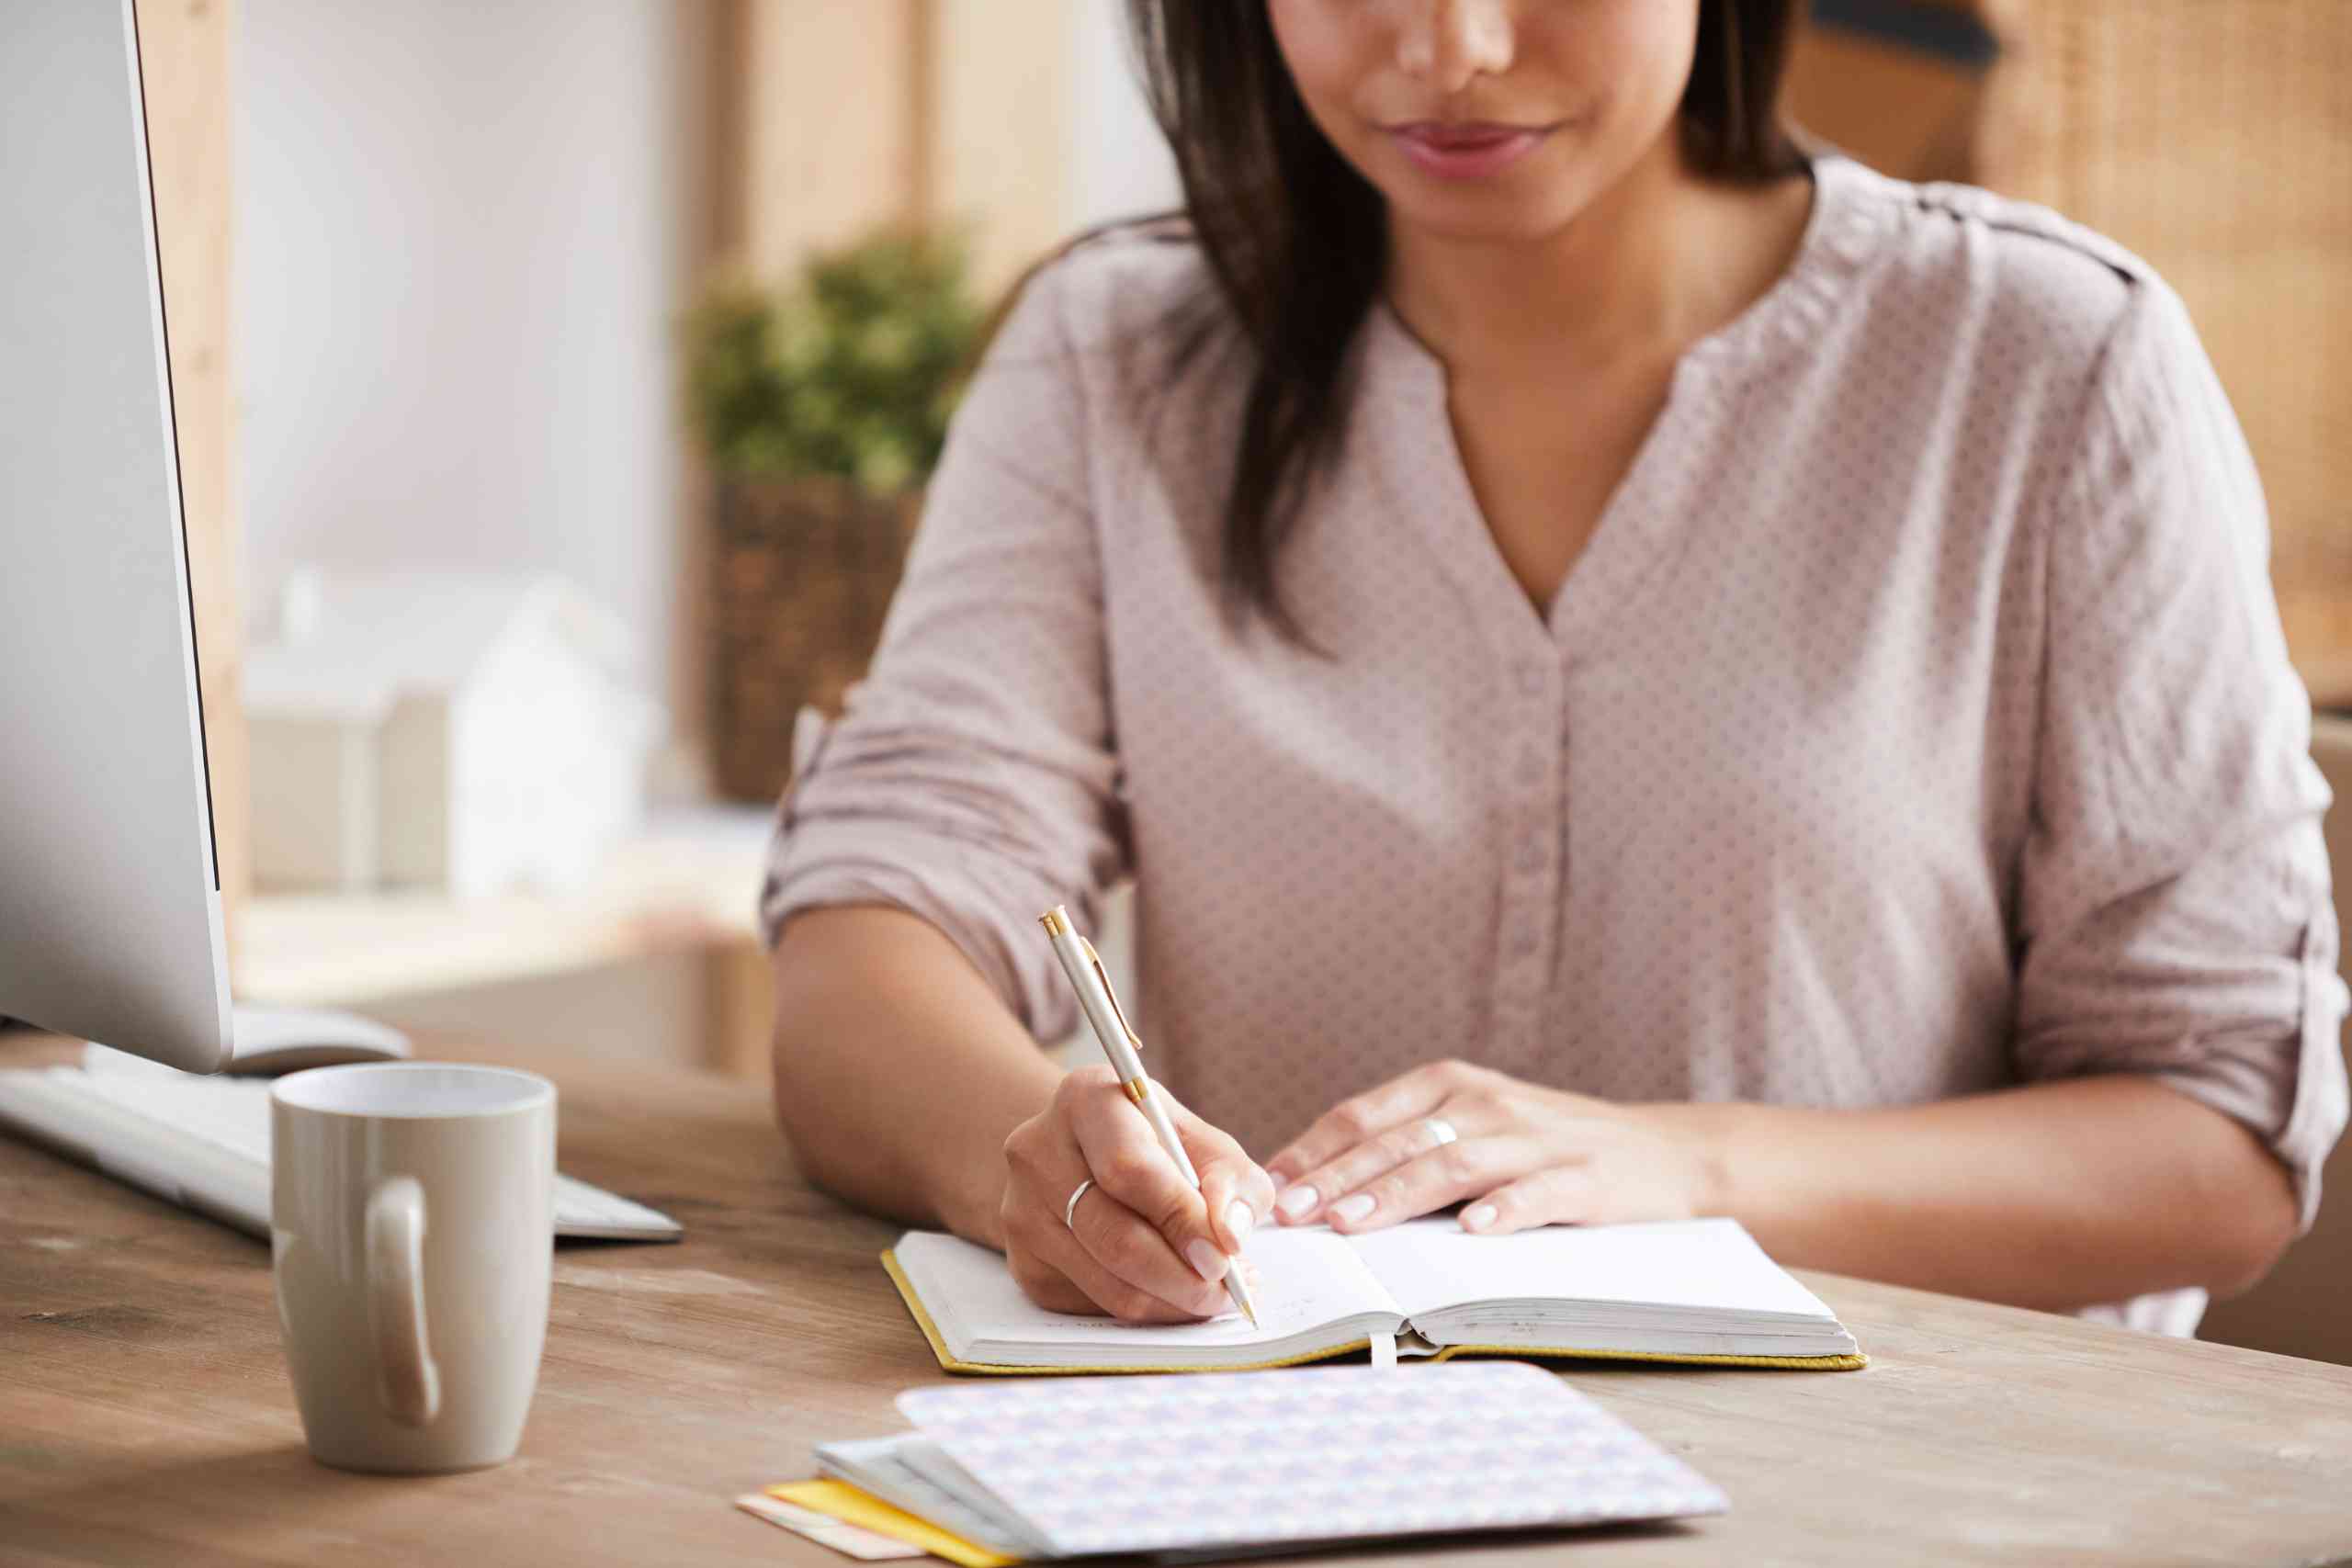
1304	1279
1261	1459
1708	1265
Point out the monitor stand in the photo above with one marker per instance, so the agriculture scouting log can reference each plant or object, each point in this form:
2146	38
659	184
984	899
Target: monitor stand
283	1039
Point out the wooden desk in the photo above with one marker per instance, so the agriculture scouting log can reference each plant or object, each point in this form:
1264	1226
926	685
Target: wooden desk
145	1414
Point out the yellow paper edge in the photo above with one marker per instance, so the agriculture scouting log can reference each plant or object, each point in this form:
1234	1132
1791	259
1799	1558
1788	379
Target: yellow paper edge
1840	1363
839	1500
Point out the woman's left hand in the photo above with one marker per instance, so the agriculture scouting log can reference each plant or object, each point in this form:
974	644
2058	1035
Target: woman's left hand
1520	1156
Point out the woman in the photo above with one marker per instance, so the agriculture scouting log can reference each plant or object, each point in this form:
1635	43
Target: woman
1638	674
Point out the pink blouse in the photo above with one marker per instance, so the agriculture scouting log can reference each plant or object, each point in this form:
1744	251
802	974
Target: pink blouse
1917	721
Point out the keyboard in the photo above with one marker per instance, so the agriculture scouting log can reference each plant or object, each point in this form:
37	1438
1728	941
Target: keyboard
203	1142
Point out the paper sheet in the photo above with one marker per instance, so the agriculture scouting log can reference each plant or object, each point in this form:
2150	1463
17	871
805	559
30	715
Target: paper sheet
825	1529
1700	1264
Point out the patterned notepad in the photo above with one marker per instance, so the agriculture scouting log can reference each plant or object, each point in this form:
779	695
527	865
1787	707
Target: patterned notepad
1187	1464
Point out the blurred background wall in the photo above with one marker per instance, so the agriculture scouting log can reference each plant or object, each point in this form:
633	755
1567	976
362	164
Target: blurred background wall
462	232
434	265
464	235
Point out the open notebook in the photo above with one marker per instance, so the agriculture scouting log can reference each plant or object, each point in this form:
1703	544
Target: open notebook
1682	1290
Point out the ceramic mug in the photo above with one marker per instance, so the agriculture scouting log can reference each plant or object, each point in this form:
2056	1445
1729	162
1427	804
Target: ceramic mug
412	1231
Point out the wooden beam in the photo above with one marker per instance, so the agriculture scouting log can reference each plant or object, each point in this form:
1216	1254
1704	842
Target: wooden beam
184	57
826	117
835	118
999	130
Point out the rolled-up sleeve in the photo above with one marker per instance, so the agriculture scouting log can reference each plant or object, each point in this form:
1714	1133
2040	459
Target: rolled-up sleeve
971	778
2174	913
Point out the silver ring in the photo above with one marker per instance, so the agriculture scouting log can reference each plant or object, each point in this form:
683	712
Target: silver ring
1070	1209
1442	1130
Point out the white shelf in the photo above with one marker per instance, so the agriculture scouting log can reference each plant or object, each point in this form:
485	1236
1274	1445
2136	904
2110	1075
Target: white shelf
690	880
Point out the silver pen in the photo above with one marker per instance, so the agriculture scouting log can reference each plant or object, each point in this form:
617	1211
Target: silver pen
1084	967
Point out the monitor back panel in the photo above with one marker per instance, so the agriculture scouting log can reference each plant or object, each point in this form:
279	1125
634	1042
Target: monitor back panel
109	903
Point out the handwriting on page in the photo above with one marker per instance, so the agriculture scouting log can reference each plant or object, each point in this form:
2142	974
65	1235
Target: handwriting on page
1302	1279
1299	1283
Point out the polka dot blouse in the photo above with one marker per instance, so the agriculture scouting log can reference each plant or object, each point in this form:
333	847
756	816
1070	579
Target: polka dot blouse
1917	721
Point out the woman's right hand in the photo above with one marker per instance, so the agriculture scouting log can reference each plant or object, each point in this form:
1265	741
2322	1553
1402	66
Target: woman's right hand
1141	1245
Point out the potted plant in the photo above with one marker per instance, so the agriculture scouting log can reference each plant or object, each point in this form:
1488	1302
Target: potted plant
821	409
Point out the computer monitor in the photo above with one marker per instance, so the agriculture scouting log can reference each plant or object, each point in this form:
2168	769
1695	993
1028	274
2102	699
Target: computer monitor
110	921
109	875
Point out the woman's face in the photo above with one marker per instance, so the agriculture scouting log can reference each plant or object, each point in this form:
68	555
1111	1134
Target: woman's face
1489	119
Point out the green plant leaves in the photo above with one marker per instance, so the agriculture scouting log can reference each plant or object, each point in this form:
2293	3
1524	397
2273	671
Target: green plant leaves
853	372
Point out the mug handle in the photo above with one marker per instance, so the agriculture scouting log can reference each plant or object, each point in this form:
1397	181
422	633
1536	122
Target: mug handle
407	1379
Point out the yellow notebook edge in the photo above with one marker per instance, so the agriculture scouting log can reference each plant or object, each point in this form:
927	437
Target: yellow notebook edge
854	1505
948	1362
1840	1362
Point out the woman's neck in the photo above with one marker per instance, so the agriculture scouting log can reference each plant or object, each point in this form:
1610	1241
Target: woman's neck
1654	263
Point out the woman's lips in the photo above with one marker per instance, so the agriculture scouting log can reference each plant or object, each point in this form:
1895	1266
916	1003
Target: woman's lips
1470	150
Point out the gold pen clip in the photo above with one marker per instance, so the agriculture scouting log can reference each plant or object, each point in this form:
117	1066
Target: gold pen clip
1104	976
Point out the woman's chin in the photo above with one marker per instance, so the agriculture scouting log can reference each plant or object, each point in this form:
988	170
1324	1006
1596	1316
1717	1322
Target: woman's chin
1494	215
1531	202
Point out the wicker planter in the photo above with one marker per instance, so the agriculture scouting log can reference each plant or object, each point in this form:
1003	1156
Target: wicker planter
805	571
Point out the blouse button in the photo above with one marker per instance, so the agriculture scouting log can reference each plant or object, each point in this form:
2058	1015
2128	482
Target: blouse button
1530	680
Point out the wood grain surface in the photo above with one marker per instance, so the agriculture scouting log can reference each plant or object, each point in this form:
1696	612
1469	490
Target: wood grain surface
145	1414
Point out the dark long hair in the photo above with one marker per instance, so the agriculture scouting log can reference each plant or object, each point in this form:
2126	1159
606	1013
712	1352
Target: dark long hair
1296	240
